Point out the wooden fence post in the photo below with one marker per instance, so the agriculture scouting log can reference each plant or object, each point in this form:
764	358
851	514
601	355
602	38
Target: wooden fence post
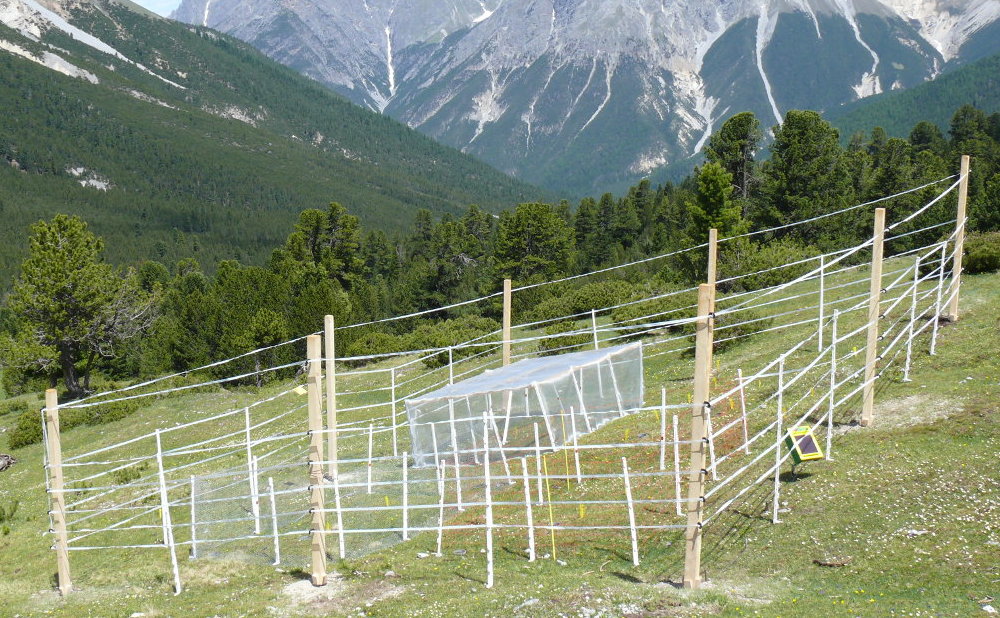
696	482
874	313
56	487
314	345
956	268
713	265
331	395
506	321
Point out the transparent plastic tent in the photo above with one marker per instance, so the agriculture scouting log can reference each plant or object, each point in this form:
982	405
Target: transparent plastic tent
555	398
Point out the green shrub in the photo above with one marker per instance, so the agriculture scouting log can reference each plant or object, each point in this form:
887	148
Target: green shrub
27	430
13	406
559	345
732	329
982	253
673	307
582	299
452	332
742	257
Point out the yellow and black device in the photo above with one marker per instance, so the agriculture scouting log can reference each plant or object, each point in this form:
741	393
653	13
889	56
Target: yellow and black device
803	445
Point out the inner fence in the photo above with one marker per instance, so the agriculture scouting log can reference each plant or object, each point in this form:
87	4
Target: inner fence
465	451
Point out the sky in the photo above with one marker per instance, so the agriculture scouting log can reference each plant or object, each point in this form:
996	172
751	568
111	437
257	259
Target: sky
163	7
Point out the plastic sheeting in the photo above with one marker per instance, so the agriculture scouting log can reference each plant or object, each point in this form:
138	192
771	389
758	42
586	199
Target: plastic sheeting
557	397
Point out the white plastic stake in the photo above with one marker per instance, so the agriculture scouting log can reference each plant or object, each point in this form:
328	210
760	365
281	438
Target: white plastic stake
583	404
168	528
458	487
631	513
395	425
711	439
677	467
406	499
777	438
454	431
576	445
937	303
506	422
489	503
440	475
743	411
663	429
274	522
593	326
538	465
822	300
371	442
545	415
194	533
251	474
833	386
527	509
340	516
255	496
913	318
451	366
434	440
614	383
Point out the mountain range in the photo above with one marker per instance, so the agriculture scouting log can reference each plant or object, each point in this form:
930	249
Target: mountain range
583	95
176	141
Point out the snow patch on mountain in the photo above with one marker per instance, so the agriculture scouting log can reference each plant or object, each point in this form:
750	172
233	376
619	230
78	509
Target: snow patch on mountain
50	60
765	30
946	24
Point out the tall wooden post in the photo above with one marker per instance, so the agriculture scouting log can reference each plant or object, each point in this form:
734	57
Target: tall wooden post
696	482
874	312
331	395
710	277
956	268
506	321
54	447
314	345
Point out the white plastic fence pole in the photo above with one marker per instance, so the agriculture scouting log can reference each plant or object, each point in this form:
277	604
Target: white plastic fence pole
458	486
593	327
913	318
743	411
503	455
631	513
395	425
194	526
340	517
614	384
440	475
538	465
489	502
251	477
255	495
663	428
454	430
507	311
274	522
576	445
777	439
506	421
167	524
833	386
937	303
583	404
822	300
371	443
451	366
677	467
406	499
527	509
711	439
434	441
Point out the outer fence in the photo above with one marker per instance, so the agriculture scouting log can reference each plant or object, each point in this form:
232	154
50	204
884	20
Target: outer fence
271	481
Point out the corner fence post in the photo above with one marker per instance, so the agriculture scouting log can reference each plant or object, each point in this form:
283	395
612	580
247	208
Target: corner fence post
331	395
956	268
506	321
874	313
314	345
710	278
696	482
54	448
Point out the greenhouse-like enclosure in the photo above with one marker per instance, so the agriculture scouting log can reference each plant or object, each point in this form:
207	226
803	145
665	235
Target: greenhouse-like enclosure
537	403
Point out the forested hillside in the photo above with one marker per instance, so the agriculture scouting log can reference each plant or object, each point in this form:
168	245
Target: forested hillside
897	111
189	143
331	263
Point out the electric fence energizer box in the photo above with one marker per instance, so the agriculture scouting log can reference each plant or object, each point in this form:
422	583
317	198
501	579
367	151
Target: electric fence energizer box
803	445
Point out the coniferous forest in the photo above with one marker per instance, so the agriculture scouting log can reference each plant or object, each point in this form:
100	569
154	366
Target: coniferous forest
192	313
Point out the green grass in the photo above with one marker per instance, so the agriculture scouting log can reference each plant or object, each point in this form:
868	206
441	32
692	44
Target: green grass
927	464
